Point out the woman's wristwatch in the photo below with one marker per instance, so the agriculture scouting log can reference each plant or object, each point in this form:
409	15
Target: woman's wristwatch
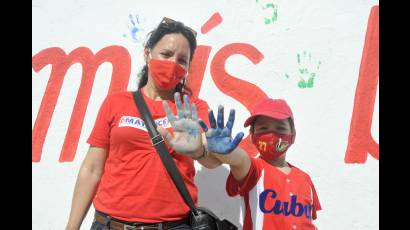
203	155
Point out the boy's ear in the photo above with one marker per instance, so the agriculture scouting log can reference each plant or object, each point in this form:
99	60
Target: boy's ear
293	137
250	133
292	127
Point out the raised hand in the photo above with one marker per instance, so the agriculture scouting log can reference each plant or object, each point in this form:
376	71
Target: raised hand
219	137
186	138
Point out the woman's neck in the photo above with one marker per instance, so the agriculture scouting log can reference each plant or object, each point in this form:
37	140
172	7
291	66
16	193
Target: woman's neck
157	95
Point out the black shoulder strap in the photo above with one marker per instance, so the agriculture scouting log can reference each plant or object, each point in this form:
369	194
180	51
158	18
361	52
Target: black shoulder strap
158	143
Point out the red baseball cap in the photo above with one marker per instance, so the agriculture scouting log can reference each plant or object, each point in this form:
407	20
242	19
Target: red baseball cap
274	108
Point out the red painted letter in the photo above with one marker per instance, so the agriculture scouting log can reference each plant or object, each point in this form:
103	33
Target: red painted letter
244	92
121	63
361	141
197	70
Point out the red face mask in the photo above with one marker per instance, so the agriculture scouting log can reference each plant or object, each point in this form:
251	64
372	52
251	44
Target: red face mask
166	74
272	145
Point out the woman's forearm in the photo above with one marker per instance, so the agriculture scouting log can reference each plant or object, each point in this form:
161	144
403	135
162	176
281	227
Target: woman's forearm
84	191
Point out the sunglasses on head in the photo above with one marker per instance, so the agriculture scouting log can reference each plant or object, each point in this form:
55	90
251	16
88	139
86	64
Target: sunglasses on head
169	21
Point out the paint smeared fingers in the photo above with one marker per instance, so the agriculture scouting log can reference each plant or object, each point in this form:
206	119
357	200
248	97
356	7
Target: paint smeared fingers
178	104
220	120
171	117
236	141
203	125
187	109
211	117
231	119
194	113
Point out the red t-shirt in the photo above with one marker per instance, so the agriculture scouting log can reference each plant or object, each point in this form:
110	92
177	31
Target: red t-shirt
275	200
135	185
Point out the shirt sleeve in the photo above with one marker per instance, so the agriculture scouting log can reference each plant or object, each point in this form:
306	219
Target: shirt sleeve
100	134
316	203
234	187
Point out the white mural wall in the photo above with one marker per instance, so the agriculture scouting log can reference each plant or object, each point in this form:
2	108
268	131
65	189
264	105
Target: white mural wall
320	55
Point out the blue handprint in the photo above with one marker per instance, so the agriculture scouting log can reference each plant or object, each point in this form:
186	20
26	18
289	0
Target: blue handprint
219	137
135	28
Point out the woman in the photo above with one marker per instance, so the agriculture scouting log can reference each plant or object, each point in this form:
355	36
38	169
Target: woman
122	173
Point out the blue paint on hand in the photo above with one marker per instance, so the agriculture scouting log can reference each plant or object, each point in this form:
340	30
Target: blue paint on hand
186	138
219	138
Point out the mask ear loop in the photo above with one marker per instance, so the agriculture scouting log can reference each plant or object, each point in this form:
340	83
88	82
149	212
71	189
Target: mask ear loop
252	138
183	86
278	145
149	56
184	81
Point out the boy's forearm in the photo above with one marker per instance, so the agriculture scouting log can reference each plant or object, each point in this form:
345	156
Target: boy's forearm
238	160
235	158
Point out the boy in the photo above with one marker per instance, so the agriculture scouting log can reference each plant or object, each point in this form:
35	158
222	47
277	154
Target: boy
276	194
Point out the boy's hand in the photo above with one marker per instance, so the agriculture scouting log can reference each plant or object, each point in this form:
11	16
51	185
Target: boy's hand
187	138
219	138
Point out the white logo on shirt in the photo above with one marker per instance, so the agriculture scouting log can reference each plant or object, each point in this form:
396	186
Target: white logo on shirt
136	122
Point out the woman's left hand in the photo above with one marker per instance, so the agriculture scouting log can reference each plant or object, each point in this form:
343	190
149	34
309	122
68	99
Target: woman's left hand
186	138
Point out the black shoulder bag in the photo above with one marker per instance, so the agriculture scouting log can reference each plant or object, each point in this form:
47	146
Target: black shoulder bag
201	218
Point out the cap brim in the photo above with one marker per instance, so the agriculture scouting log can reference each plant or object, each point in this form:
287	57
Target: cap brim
276	115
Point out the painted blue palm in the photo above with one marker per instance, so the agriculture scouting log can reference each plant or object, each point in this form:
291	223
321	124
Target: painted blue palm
219	137
186	138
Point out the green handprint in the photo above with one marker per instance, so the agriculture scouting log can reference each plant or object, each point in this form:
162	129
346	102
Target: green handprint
270	10
305	70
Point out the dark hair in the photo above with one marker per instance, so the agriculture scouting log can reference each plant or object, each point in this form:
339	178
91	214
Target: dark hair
163	29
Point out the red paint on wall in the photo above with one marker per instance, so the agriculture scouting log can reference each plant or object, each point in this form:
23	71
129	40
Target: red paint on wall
361	141
121	63
197	69
212	22
244	92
